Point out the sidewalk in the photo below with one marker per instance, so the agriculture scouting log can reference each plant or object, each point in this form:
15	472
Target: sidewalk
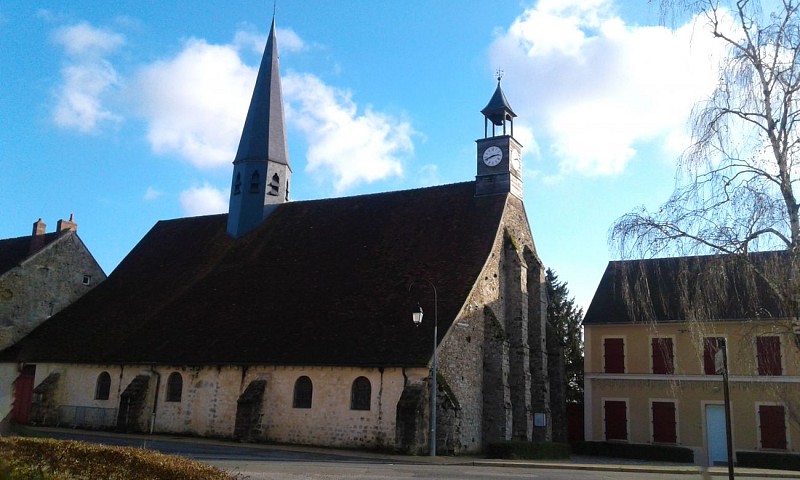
576	462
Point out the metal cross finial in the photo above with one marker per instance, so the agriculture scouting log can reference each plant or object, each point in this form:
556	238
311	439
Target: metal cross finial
499	75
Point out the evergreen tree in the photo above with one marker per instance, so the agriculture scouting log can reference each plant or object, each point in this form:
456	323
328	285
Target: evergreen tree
566	319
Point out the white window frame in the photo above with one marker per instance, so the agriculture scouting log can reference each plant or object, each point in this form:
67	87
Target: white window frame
603	401
650	339
786	429
674	402
624	353
780	347
702	350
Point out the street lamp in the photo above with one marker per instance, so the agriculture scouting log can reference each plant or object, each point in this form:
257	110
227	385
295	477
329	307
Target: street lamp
416	316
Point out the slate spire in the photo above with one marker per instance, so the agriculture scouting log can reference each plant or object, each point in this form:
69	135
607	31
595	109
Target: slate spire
261	168
264	134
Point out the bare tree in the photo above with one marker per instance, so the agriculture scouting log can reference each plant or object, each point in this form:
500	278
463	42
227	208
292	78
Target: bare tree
735	191
735	188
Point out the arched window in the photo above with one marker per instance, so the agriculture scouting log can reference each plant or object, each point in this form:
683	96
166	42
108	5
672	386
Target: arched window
174	387
237	184
274	185
303	392
255	179
102	387
360	394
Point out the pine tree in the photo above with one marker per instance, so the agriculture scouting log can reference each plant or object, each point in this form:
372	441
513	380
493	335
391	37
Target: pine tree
566	318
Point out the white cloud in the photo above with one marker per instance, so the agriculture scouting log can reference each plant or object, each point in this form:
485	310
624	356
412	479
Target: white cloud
205	200
596	88
348	146
83	40
86	76
152	194
195	103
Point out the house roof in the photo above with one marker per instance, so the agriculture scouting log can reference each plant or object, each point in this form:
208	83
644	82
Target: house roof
678	289
321	282
14	250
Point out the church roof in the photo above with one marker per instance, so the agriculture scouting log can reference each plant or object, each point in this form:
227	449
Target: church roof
264	133
14	250
321	282
679	289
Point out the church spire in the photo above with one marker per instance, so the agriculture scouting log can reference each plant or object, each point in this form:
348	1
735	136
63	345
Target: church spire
264	134
261	168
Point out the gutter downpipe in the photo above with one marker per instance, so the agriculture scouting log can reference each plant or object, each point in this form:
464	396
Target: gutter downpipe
155	399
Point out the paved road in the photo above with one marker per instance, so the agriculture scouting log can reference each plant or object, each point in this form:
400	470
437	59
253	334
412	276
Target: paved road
374	471
266	462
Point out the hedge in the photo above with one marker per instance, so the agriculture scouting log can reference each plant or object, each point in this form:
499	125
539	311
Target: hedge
774	460
520	450
640	451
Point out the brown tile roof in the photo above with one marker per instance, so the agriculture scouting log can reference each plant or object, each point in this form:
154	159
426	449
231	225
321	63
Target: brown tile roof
683	288
15	250
320	282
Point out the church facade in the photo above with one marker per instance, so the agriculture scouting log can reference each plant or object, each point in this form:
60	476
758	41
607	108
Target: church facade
290	322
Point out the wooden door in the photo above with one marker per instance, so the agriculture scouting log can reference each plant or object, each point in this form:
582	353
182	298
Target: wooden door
23	394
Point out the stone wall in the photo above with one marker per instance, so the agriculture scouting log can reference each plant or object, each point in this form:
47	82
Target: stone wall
8	373
43	284
209	401
496	374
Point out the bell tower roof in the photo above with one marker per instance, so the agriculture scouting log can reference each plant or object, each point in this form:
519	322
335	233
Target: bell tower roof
264	133
498	110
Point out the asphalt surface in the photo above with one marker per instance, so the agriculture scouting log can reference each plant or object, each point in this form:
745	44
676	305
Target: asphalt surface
231	455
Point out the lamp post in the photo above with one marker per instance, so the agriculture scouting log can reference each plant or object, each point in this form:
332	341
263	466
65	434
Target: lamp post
416	316
721	367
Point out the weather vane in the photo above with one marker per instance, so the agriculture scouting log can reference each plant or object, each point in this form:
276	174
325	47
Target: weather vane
499	75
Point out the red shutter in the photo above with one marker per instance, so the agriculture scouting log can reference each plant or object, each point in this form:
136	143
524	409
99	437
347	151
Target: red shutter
614	350
664	430
616	420
662	356
710	348
769	355
772	424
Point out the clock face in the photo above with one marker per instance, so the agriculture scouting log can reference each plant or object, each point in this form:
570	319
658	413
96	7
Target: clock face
492	156
515	159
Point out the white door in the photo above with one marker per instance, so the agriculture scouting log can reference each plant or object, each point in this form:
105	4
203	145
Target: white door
715	435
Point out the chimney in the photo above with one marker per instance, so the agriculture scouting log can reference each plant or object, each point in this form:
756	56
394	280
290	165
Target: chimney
37	237
67	225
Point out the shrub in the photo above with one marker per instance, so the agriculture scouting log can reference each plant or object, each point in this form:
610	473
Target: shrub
640	451
775	460
518	450
47	459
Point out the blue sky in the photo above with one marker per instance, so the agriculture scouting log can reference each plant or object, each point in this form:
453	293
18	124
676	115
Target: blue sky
128	112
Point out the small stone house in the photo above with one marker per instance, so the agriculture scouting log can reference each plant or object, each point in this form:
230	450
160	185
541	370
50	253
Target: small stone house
41	274
290	321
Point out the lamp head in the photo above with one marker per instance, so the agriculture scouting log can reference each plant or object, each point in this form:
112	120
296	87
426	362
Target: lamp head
416	315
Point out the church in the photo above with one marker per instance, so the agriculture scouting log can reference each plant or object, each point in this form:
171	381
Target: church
291	321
